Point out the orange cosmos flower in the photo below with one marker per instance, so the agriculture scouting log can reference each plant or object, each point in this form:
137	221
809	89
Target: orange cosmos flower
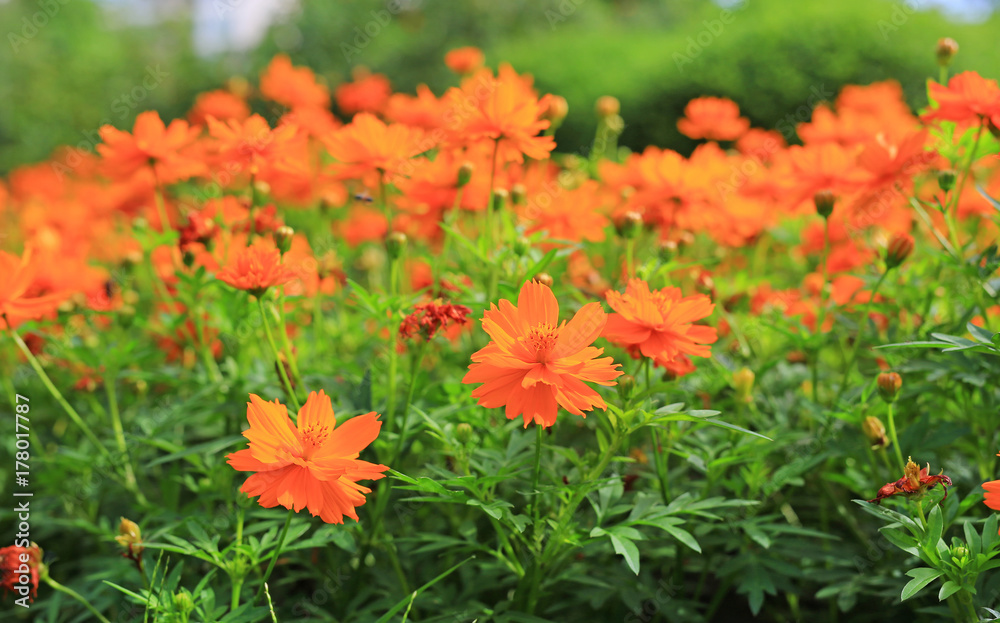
151	146
291	86
17	274
659	324
423	111
505	109
255	269
714	119
368	93
220	104
313	464
464	60
13	567
968	98
534	365
252	143
367	144
992	497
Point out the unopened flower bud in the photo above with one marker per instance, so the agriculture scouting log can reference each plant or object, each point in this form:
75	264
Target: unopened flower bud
465	173
824	201
947	48
875	432
668	251
545	279
126	315
283	238
183	602
743	380
889	384
626	385
629	225
912	473
238	86
395	244
899	248
960	552
946	179
463	433
518	194
500	196
557	110
130	536
607	106
521	246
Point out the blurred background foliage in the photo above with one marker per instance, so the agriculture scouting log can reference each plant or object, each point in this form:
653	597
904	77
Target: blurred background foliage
67	67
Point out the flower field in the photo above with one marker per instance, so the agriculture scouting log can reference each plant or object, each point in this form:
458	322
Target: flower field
412	362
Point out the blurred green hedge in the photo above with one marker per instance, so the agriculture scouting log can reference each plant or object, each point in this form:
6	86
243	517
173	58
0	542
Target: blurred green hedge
84	67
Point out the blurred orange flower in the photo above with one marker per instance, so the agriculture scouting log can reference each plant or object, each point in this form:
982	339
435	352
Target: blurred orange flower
464	60
659	324
368	93
534	365
968	98
152	146
992	497
503	108
714	119
367	144
17	275
294	87
313	464
220	104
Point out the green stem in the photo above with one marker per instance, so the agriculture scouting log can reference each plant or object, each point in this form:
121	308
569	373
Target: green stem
862	325
821	316
401	439
539	440
287	344
629	259
661	473
895	439
75	595
277	356
555	542
70	411
390	408
274	556
237	582
116	424
161	208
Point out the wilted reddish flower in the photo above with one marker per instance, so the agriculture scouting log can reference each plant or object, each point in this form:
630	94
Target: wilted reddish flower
429	318
915	481
19	569
255	269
